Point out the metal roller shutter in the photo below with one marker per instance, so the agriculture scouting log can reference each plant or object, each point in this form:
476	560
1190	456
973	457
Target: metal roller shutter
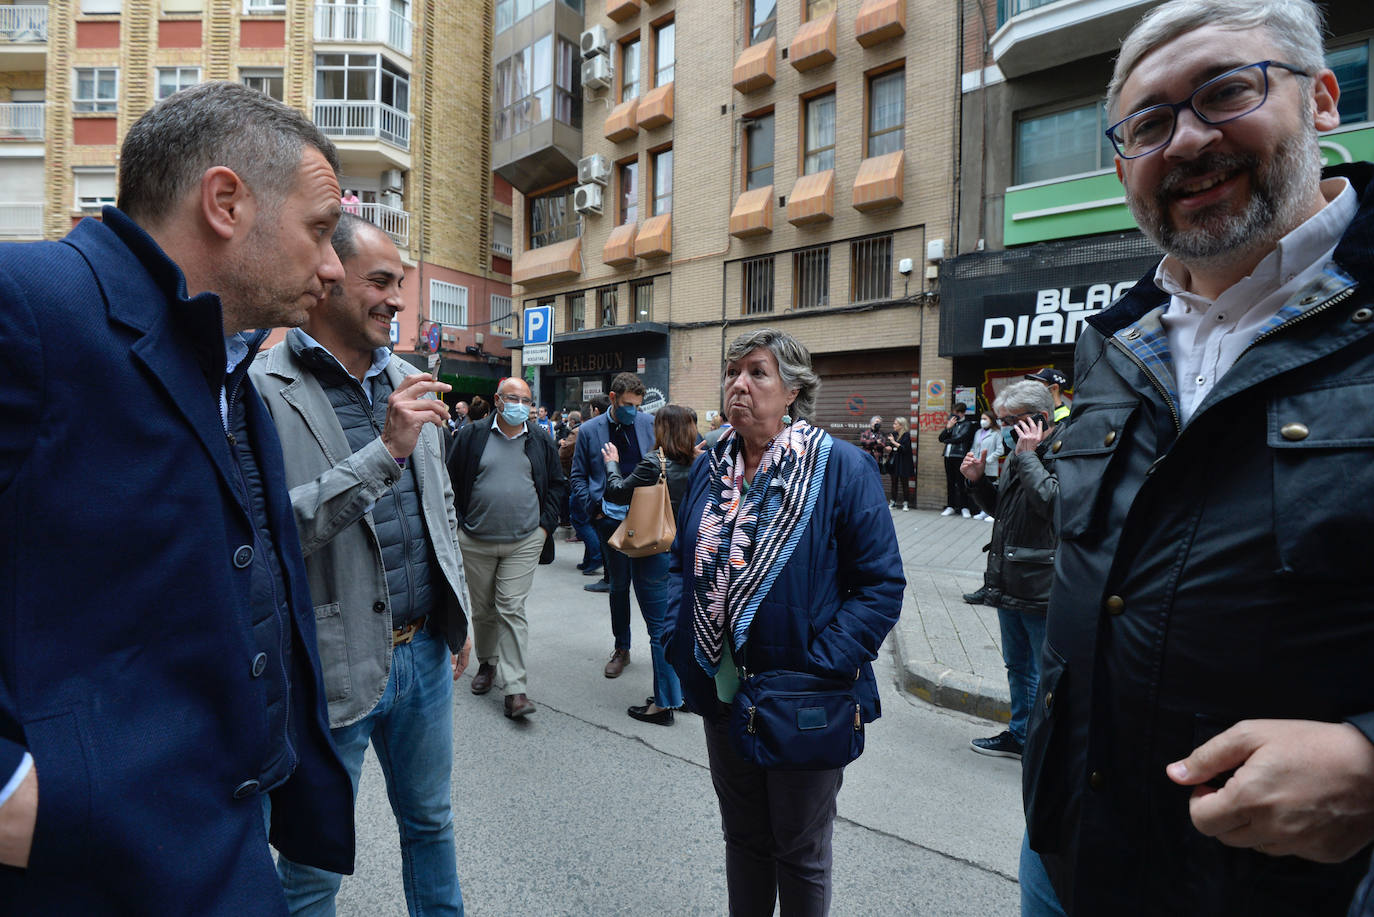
847	402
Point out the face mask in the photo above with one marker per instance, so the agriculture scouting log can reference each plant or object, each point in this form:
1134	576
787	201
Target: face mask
625	413
515	414
877	427
985	423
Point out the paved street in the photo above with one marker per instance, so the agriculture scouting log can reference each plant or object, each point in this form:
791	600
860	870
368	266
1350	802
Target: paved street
582	810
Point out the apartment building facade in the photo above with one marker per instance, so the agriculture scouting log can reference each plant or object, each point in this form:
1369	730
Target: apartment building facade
399	85
687	171
1044	237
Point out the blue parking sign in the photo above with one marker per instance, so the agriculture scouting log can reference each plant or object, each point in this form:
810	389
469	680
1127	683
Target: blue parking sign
538	324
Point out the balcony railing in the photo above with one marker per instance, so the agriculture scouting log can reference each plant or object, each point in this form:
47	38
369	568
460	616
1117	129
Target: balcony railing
362	22
21	221
1009	8
391	220
24	23
22	120
363	120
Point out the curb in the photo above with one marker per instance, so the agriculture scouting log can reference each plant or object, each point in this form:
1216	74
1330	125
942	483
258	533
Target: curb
940	685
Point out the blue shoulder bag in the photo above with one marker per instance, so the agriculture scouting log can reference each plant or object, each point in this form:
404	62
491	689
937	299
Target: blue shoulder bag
796	721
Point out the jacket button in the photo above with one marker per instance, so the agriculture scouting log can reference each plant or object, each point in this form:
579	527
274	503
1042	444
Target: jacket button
243	556
245	789
1294	431
1111	438
1362	315
1049	699
1059	444
1115	604
1132	334
1097	780
379	607
259	664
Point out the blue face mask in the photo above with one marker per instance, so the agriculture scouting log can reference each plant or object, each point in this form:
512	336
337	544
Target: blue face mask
515	414
626	413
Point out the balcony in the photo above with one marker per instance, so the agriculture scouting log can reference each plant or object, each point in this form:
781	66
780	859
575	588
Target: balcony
23	37
1035	35
21	220
363	121
22	121
364	22
391	220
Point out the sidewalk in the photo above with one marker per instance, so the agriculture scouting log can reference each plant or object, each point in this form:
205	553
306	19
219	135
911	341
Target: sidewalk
950	652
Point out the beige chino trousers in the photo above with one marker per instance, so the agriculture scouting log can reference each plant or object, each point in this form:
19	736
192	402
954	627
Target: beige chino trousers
499	577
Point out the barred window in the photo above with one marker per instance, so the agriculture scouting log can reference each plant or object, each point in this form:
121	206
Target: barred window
577	311
642	295
870	268
502	315
605	298
811	278
758	285
448	304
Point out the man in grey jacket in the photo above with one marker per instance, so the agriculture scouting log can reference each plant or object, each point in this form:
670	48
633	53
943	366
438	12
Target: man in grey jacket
361	434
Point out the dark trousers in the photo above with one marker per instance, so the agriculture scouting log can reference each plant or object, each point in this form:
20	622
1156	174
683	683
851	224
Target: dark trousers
777	827
618	570
900	485
956	488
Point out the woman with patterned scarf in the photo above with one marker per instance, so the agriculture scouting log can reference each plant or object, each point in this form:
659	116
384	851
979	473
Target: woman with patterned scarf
786	559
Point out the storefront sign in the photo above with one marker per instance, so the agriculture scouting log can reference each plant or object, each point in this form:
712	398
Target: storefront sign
1046	317
591	388
574	363
653	400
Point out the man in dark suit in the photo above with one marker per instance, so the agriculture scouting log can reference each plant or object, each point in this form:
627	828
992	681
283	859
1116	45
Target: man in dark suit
158	673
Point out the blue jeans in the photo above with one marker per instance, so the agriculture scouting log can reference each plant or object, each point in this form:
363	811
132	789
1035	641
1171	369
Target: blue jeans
591	542
1023	638
651	586
1037	894
411	730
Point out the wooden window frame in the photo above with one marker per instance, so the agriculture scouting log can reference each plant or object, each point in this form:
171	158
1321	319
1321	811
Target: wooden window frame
621	45
620	189
804	100
749	23
653	180
869	77
748	144
654	28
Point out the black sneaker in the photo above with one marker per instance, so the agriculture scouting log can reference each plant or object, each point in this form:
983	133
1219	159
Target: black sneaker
1002	745
977	598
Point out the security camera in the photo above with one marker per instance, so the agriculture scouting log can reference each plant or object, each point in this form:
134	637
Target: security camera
904	267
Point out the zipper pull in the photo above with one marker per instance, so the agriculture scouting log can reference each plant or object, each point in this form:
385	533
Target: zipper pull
232	441
858	723
750	727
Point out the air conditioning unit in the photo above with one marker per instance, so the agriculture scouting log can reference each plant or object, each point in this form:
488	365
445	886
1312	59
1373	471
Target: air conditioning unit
587	199
597	72
593	168
594	42
391	180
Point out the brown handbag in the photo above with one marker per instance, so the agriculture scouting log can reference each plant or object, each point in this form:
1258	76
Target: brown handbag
649	527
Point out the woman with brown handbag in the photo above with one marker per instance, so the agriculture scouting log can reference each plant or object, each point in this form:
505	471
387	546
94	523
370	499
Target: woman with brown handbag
674	438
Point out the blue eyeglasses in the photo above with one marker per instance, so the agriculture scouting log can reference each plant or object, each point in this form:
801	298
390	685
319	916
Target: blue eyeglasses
1234	94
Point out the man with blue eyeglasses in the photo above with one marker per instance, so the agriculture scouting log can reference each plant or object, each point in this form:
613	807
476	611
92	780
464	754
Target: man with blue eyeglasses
1203	739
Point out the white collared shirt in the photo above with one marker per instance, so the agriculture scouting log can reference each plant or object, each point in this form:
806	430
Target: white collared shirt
381	357
495	417
1207	337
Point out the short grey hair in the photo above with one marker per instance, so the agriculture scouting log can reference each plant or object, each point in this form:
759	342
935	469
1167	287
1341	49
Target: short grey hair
794	365
1295	26
345	237
1023	396
213	124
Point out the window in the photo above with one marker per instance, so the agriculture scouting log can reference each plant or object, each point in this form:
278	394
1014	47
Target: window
758	285
763	20
448	304
567	96
811	278
870	269
95	187
629	191
886	112
577	312
663	182
502	315
183	6
175	79
665	53
1064	142
509	12
758	143
264	6
361	78
1351	66
100	6
266	80
605	301
642	296
815	9
97	89
524	90
819	134
552	218
629	70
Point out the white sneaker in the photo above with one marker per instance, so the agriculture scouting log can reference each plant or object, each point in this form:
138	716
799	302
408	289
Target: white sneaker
906	508
891	503
949	511
966	514
981	515
988	519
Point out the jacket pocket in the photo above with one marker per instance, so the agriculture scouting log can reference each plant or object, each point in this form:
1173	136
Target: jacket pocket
332	641
1321	441
1083	455
1048	774
1027	572
61	757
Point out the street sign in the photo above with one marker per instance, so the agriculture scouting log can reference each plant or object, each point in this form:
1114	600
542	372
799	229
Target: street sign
538	327
538	354
432	337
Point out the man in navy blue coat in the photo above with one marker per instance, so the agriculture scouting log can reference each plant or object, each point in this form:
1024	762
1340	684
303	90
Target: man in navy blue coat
158	675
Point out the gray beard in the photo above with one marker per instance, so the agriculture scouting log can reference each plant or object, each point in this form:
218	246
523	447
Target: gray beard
1279	193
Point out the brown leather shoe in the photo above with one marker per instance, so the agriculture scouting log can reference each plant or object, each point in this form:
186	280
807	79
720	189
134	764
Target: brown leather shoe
481	682
616	664
518	705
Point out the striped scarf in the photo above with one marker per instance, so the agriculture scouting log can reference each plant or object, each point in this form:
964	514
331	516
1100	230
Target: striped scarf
746	538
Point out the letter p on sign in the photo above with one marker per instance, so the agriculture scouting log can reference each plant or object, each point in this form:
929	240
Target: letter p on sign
538	324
